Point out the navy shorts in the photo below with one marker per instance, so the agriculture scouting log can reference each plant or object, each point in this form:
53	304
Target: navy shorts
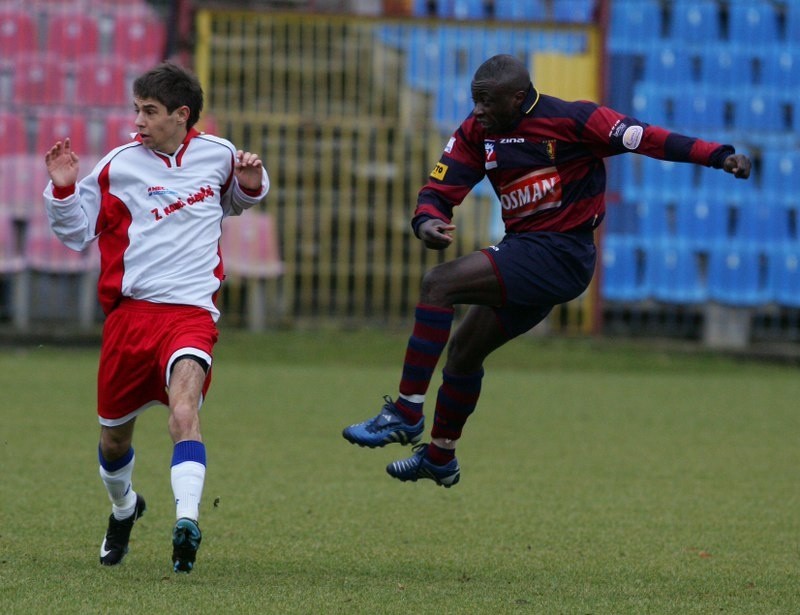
537	271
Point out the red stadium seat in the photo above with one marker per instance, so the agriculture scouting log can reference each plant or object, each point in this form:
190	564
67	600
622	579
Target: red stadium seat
11	256
24	179
13	137
57	126
39	80
106	82
118	127
46	254
17	34
72	34
140	37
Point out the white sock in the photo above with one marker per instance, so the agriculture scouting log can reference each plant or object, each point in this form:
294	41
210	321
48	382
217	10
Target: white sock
187	486
120	491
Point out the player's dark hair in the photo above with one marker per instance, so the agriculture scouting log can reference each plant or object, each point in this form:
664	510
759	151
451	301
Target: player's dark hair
506	71
172	86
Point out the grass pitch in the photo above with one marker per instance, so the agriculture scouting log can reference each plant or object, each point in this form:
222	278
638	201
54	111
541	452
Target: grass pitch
595	479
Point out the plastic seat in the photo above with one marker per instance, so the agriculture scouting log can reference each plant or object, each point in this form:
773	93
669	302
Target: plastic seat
761	224
57	126
668	64
13	136
466	9
574	11
779	172
72	34
738	276
653	104
39	80
700	108
514	10
250	246
118	127
107	80
635	25
782	70
45	253
694	21
139	36
760	111
784	267
721	66
622	270
24	178
752	25
11	256
717	185
666	180
18	35
704	224
675	274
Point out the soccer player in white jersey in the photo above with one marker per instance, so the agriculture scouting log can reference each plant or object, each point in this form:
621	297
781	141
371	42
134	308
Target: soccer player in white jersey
155	207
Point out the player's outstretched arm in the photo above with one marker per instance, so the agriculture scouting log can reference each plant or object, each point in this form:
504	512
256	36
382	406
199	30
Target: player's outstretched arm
248	170
738	165
62	164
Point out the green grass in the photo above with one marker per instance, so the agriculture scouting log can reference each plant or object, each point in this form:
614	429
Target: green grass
596	478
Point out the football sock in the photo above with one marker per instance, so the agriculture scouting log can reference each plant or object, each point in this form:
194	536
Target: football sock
427	342
456	400
116	476
188	475
438	455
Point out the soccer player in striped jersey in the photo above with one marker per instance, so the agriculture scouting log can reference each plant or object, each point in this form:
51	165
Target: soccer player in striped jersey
155	207
544	159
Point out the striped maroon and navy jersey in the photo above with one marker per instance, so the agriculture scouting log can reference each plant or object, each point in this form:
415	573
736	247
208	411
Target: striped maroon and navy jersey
548	170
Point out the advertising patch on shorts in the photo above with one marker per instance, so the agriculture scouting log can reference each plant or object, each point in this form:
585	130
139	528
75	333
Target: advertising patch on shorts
439	171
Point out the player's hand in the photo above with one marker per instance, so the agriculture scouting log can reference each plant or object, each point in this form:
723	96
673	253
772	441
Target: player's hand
738	164
62	164
247	170
436	234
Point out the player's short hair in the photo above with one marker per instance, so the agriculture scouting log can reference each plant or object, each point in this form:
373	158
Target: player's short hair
507	71
173	86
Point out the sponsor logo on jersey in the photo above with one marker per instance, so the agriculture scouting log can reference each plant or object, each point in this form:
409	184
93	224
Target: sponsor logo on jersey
531	193
450	144
491	155
512	140
198	197
439	171
617	129
632	137
159	190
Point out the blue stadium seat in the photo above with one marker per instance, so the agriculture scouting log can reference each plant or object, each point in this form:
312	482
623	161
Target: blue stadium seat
668	65
573	11
716	185
779	173
470	9
452	103
424	8
622	277
665	180
784	279
752	25
761	224
635	25
700	109
760	111
704	224
514	10
792	21
695	22
724	66
738	276
782	69
656	221
653	104
675	274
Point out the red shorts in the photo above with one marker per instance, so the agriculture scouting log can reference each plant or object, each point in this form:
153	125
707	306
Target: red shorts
141	340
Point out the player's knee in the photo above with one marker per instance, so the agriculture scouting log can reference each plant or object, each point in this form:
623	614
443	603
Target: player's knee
435	287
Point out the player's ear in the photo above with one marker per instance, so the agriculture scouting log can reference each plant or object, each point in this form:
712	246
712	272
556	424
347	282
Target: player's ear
182	113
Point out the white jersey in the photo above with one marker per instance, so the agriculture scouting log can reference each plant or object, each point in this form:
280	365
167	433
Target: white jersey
157	219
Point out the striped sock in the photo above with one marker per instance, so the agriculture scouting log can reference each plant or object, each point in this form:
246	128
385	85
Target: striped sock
440	456
425	346
456	400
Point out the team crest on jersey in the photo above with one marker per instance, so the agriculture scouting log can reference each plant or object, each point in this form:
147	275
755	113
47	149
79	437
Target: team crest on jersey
491	154
550	148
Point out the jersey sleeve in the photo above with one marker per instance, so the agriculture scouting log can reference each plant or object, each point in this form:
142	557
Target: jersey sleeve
614	133
236	199
459	168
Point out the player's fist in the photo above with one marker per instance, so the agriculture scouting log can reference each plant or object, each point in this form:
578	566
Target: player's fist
436	234
738	164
